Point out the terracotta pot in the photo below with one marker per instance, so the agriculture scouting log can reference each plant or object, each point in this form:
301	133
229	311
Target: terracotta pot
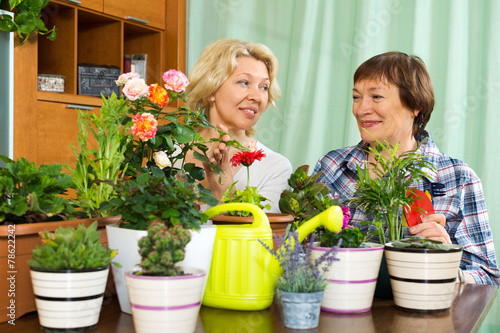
16	297
279	222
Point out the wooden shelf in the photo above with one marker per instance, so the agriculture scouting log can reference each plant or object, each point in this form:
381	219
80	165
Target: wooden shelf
94	32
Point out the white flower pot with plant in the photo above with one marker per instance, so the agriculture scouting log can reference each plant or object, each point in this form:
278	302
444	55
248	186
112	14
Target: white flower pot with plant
161	141
387	195
423	273
69	274
164	296
353	277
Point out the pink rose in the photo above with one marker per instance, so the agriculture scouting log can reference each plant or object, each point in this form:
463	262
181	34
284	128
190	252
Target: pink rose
135	88
175	80
122	79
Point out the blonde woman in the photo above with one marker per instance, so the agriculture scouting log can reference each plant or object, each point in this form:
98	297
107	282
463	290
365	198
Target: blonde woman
234	82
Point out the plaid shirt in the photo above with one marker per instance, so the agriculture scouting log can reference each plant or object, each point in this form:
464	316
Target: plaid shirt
464	206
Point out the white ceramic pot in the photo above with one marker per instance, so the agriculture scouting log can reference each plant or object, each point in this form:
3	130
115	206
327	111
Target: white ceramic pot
165	303
198	255
351	279
423	279
69	299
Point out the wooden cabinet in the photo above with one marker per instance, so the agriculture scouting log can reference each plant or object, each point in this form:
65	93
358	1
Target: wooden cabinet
92	32
150	13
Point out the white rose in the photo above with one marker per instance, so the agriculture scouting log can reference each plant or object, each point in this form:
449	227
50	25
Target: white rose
161	159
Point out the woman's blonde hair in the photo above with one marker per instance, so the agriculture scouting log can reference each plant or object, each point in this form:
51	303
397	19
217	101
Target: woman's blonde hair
217	63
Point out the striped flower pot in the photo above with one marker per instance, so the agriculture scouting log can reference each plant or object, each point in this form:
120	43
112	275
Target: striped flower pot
165	303
351	279
198	255
423	279
69	299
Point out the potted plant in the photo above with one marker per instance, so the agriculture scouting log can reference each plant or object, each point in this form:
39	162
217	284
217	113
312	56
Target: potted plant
155	197
388	195
353	277
301	286
279	222
32	199
165	296
100	156
28	18
69	273
162	137
305	198
423	273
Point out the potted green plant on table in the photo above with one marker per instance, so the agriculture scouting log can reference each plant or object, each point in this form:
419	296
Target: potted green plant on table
152	197
28	18
69	273
100	156
301	287
351	279
423	273
32	199
162	138
250	194
165	295
388	195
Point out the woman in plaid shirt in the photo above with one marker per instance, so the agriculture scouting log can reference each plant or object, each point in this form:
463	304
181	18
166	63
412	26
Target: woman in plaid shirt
393	99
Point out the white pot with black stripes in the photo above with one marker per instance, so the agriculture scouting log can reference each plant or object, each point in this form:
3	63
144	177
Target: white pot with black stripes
69	299
423	279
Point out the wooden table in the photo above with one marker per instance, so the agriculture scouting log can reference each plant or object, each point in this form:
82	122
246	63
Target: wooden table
470	305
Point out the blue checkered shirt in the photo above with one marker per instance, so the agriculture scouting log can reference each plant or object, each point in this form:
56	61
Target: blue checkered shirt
464	206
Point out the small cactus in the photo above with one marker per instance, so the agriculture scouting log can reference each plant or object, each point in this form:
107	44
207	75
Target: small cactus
162	248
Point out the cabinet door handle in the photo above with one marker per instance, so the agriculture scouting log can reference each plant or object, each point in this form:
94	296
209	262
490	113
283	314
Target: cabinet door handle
136	19
80	107
75	2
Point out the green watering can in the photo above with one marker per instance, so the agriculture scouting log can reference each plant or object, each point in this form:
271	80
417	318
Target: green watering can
243	273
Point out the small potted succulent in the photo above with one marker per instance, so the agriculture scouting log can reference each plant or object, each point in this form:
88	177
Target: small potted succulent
160	287
423	273
300	288
152	197
69	271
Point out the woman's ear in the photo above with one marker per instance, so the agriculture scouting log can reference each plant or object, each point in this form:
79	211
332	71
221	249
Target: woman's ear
416	113
212	98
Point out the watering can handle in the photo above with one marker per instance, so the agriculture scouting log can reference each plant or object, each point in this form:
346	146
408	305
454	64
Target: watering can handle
260	219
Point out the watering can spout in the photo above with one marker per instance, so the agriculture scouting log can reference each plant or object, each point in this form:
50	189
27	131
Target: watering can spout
332	219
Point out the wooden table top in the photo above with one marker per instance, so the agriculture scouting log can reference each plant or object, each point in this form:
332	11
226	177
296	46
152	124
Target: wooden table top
470	305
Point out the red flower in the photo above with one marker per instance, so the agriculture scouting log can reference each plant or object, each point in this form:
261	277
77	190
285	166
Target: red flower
247	157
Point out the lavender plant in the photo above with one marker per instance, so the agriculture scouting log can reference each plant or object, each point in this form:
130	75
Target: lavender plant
301	274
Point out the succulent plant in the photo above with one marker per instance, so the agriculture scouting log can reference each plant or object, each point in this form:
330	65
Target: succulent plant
71	249
162	248
307	198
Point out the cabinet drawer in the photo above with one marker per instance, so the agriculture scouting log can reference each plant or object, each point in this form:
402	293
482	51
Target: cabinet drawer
57	130
151	13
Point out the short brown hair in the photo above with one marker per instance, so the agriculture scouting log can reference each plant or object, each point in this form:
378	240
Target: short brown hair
410	75
217	63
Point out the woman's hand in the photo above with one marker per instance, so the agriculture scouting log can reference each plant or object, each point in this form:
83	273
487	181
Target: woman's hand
432	227
219	154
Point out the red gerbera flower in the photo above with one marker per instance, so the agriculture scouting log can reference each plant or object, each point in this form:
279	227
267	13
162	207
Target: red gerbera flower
247	157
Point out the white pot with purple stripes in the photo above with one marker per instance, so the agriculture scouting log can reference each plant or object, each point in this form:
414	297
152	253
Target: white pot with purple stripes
351	279
69	299
165	303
